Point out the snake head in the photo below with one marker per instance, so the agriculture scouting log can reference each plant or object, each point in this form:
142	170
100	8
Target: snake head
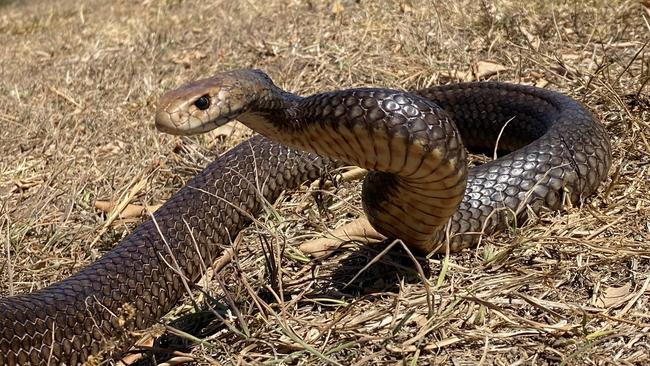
203	105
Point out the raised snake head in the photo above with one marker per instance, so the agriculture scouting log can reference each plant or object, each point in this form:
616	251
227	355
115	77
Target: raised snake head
203	105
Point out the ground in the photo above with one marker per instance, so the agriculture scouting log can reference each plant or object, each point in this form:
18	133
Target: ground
78	87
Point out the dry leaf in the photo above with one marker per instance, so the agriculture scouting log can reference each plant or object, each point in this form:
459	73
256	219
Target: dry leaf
337	7
481	70
613	295
532	39
487	68
111	148
541	83
420	320
234	130
187	59
129	211
570	56
224	131
358	230
405	7
21	185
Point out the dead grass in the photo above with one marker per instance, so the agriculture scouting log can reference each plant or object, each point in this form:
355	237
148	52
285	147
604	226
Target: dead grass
78	85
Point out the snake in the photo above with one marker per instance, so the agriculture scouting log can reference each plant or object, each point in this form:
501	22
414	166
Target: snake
419	189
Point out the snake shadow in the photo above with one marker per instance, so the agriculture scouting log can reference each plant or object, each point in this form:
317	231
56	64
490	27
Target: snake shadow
365	270
353	273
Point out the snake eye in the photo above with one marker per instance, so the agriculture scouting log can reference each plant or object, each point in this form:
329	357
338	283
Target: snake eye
203	102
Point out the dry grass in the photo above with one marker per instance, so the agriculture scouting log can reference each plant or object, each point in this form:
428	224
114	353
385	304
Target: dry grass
78	85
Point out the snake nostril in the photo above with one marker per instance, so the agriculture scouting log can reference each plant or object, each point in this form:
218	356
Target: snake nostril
203	102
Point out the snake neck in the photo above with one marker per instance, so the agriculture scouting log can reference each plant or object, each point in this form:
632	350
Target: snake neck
271	116
412	148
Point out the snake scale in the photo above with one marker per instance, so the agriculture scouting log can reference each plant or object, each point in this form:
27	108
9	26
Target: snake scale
413	144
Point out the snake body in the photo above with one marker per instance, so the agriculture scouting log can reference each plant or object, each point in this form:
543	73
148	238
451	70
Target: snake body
412	143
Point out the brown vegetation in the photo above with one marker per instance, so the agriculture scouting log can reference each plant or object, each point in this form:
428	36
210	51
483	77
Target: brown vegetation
78	86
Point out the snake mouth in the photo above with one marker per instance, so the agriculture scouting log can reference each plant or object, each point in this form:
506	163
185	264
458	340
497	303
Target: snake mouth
191	126
164	123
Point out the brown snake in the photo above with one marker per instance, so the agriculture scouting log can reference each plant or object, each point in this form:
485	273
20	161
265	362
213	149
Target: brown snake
418	186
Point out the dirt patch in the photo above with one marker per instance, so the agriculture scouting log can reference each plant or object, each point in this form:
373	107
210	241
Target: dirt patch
78	86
